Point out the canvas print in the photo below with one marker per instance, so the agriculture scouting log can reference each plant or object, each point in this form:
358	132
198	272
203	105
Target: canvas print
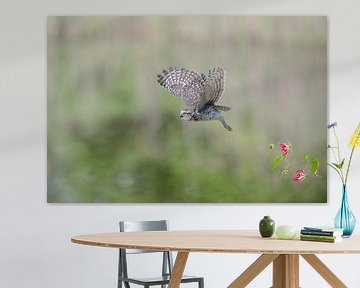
186	109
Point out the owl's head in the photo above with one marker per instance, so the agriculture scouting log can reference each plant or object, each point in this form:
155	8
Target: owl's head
186	115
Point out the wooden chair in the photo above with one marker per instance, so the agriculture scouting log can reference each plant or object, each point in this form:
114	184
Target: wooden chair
167	262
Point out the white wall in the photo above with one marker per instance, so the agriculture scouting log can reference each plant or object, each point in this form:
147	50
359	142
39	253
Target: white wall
35	248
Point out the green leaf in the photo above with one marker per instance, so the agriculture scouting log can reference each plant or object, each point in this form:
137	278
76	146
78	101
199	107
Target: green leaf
336	165
332	166
336	169
307	157
276	161
314	166
342	163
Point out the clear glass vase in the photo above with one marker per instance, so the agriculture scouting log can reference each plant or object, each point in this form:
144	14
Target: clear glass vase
345	219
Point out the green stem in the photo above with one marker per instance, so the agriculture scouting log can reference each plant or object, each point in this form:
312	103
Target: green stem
338	146
352	152
348	167
338	149
337	161
337	170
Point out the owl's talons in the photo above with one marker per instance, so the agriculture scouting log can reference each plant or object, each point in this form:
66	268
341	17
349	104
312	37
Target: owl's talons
227	127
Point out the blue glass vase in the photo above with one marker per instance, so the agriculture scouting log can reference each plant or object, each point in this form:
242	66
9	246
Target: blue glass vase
345	219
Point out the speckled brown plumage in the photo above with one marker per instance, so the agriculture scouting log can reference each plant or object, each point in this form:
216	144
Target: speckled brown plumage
199	93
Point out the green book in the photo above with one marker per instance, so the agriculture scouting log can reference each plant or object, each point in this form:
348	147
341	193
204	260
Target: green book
325	240
319	236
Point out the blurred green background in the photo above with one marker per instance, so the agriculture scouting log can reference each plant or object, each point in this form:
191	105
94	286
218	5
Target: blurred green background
114	134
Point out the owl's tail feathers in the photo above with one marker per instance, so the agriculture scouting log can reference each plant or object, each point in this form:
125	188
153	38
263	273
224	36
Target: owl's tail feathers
222	108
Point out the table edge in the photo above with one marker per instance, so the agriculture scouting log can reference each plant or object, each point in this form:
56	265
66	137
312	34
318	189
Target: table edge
206	250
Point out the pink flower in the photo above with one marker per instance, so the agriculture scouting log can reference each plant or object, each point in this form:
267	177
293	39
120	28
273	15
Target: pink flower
284	149
300	175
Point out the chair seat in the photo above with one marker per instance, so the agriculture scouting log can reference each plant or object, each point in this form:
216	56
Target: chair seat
158	280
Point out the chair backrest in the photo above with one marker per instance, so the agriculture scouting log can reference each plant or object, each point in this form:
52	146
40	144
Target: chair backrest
134	226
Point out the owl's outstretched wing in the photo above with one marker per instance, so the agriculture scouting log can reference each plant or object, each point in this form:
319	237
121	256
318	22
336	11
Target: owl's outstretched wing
187	84
215	85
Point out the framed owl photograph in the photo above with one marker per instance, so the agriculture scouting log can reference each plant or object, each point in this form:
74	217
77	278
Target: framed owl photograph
187	109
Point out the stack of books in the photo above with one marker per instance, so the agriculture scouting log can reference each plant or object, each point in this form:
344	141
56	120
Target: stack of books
321	234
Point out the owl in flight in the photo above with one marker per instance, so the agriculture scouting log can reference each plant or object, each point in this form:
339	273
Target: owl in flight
199	93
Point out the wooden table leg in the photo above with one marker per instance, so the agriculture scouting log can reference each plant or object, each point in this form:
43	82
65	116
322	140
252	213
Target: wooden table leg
324	271
253	270
293	264
178	270
286	271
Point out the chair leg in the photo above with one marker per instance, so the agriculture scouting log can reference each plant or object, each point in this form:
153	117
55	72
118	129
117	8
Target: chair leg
201	283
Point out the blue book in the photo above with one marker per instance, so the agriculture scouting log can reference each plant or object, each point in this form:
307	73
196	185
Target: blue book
322	231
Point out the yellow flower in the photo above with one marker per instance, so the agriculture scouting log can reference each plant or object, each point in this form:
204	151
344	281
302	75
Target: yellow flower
355	138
